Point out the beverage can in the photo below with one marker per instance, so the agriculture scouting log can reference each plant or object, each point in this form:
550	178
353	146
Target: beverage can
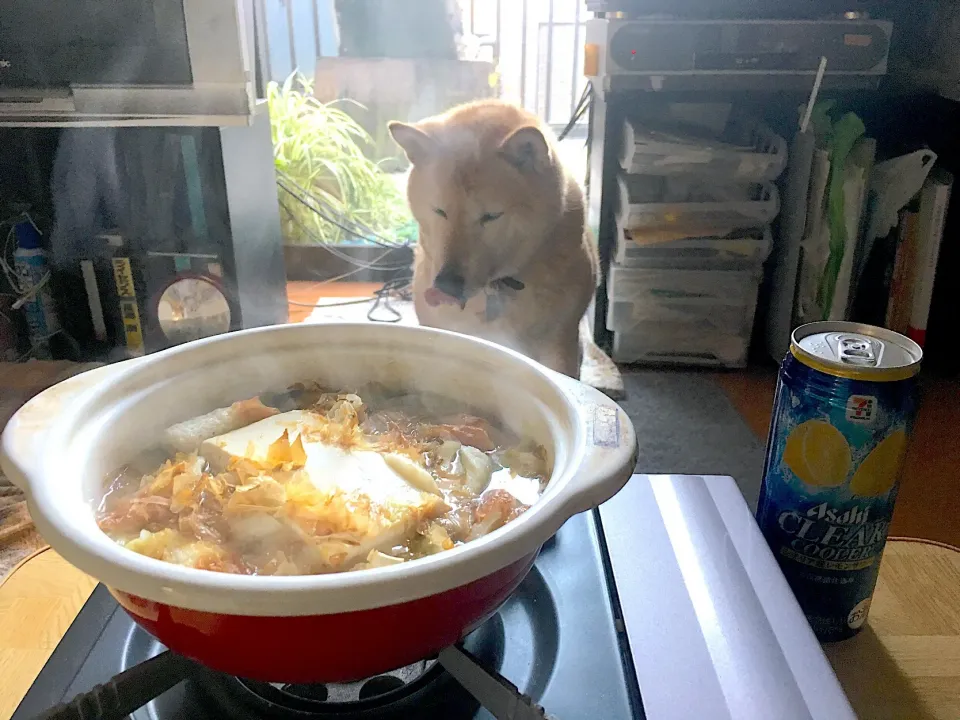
33	273
844	411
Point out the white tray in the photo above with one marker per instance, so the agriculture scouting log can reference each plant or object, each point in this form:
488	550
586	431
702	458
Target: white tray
724	209
654	317
702	287
741	250
686	345
762	154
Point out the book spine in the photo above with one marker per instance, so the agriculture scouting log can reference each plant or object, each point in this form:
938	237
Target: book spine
934	206
129	308
93	300
898	305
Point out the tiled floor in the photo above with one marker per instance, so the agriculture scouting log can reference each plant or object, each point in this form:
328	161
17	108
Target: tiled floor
308	294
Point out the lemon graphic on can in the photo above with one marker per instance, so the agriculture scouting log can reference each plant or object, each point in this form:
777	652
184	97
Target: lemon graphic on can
818	454
879	470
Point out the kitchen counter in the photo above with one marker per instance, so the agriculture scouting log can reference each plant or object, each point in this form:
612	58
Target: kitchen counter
904	664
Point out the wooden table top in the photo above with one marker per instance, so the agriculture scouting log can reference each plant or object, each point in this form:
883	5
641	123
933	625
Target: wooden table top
38	601
904	665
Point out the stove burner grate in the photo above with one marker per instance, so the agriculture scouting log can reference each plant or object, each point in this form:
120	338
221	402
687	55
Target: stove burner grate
324	697
520	643
423	690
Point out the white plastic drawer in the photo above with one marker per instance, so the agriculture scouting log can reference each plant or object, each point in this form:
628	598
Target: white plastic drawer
688	208
681	346
703	287
646	316
741	250
760	154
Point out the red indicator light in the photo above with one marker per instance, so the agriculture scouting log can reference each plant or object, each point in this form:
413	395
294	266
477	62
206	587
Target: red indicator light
633	52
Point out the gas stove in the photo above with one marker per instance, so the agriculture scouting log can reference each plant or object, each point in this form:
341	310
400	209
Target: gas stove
664	603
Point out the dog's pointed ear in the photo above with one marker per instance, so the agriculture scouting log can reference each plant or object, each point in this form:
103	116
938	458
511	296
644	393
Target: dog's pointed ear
527	150
417	145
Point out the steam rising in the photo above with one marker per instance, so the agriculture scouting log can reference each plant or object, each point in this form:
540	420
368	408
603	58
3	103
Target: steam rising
341	483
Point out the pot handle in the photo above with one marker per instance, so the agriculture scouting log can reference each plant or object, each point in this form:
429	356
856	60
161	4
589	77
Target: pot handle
24	438
610	447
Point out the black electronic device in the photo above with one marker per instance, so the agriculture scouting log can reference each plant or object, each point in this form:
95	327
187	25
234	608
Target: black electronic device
197	250
729	9
136	62
722	55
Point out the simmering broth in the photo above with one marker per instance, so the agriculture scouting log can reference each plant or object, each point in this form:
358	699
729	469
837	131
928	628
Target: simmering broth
310	481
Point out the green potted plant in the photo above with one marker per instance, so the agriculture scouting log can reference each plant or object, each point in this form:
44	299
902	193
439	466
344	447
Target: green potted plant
321	161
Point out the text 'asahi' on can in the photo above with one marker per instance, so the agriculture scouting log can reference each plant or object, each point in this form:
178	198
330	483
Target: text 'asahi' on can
844	410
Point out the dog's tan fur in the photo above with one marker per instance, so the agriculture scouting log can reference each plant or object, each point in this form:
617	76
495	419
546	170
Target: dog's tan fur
475	162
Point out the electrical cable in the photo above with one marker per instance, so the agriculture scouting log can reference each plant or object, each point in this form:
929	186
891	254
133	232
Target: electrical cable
374	264
336	278
24	293
381	299
359	234
395	289
359	230
332	248
353	301
582	106
400	287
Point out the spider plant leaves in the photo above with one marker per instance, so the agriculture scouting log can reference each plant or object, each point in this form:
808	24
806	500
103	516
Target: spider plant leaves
322	149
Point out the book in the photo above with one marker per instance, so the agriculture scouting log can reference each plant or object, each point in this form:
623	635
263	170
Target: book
815	244
902	280
126	298
934	199
88	270
856	176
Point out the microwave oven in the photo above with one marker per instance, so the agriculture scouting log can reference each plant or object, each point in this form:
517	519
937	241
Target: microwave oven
136	62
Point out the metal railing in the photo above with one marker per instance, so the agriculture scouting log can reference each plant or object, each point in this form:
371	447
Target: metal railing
535	45
546	49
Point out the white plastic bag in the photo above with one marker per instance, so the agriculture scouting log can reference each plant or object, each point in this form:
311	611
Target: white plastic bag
892	184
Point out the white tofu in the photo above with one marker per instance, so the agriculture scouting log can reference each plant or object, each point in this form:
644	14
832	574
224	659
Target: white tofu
334	469
329	468
253	440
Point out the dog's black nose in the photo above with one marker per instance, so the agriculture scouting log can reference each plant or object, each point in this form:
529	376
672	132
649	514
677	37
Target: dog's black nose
450	282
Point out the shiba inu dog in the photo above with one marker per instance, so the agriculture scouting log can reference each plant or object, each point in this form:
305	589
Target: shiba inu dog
504	253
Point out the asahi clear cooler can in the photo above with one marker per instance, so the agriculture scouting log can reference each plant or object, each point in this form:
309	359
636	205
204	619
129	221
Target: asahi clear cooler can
844	411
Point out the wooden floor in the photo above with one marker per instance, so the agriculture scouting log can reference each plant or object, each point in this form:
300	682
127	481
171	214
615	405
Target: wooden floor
303	295
928	505
929	502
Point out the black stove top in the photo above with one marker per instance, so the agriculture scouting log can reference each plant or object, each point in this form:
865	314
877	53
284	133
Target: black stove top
556	639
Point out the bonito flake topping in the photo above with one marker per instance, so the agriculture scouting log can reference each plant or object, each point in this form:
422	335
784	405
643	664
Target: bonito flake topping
324	488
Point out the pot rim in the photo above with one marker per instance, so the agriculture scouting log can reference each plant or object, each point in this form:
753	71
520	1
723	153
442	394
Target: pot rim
572	488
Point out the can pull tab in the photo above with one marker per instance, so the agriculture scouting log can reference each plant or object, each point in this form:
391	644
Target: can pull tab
861	351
